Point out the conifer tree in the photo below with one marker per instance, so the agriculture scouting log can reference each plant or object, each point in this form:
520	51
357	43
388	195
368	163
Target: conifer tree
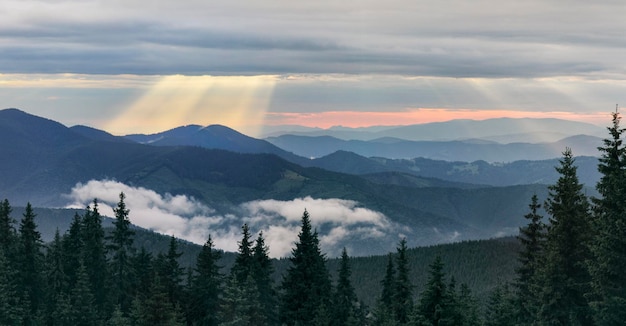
565	278
532	238
31	262
244	260
468	307
608	297
241	305
384	310
8	236
83	309
403	289
10	308
170	272
206	287
94	257
432	304
306	285
56	281
121	249
344	300
262	275
501	307
73	249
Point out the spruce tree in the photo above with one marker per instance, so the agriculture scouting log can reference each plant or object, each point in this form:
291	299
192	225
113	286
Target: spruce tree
344	300
120	248
31	261
500	309
608	297
403	289
244	260
206	287
8	236
262	275
384	309
57	285
73	249
532	238
432	305
11	312
306	285
94	257
83	311
564	276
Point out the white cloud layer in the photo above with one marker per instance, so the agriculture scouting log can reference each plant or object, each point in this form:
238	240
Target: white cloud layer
338	221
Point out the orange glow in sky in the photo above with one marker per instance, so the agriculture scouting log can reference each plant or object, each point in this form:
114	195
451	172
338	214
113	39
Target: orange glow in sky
355	119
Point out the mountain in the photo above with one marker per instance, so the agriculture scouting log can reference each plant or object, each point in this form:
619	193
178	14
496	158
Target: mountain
213	137
96	134
501	130
468	151
48	159
458	174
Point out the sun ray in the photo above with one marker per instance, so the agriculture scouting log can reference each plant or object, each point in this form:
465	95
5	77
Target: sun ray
239	102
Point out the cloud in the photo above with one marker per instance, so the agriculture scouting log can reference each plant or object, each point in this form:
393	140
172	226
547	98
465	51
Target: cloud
339	222
433	38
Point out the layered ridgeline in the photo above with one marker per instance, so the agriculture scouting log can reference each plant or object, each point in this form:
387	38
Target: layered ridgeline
187	190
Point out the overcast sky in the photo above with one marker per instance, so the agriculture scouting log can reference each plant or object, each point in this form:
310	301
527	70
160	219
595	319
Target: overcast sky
145	66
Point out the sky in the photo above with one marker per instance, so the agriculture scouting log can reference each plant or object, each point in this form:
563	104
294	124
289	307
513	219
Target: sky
138	66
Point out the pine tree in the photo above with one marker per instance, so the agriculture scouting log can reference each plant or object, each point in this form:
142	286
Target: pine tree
403	289
10	308
31	262
468	307
344	301
57	286
121	249
206	287
94	257
432	304
384	310
8	236
83	308
500	307
608	298
241	305
244	260
564	276
73	249
306	285
532	238
170	272
262	275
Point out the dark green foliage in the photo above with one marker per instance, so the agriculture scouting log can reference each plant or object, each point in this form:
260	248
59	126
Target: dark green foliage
306	285
608	297
120	248
73	249
403	289
241	305
83	310
432	304
8	235
156	308
170	273
206	287
11	310
30	262
468	307
564	276
344	300
94	256
262	275
244	263
501	307
532	238
57	285
384	309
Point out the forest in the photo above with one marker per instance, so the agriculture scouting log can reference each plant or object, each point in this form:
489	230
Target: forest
569	271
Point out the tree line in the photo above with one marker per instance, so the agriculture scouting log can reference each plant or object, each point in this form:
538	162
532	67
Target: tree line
570	272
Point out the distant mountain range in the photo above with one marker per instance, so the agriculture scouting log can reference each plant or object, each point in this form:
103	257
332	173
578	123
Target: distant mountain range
500	130
44	160
466	150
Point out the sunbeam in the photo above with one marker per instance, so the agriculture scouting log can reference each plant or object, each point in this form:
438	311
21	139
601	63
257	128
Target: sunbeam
239	102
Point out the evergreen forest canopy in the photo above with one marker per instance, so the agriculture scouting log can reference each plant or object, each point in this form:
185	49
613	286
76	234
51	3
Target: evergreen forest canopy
569	272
